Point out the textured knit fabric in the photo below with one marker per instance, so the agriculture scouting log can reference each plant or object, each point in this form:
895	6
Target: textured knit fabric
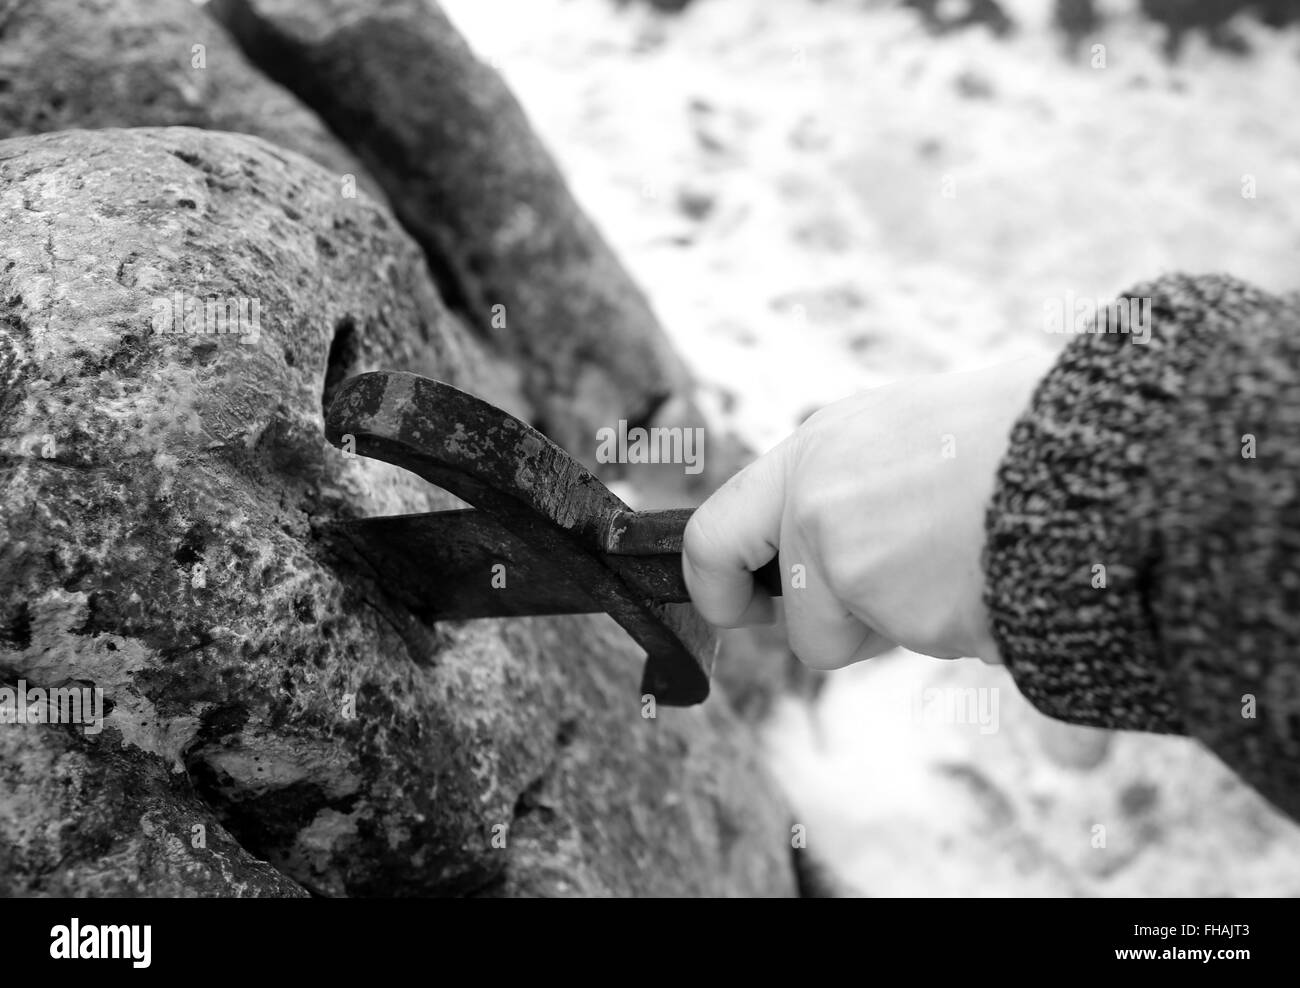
1142	565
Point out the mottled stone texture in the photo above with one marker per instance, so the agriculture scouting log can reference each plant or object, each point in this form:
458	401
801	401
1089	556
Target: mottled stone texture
85	819
161	499
133	63
467	176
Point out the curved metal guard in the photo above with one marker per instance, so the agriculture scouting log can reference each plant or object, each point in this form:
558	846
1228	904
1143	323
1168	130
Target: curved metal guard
539	494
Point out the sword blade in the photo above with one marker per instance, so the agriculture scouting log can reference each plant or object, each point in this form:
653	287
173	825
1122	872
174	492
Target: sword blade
458	565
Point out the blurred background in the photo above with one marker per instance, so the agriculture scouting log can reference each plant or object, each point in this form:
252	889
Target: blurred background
821	196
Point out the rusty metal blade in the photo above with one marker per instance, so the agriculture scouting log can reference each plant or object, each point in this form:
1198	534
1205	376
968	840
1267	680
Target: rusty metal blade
458	565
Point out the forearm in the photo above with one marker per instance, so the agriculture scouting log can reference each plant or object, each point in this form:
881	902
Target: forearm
1142	562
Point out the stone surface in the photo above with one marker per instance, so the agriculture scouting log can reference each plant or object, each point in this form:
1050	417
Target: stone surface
132	63
510	248
161	503
80	819
60	68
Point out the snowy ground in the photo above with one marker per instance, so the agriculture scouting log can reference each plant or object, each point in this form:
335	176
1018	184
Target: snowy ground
818	197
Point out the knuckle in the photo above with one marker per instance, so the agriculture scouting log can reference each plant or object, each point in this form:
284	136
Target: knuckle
806	519
842	575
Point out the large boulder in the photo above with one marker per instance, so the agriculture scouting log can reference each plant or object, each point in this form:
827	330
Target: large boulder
68	64
510	248
132	63
162	497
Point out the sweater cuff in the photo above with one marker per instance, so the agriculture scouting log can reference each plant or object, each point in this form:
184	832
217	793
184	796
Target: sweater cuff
1071	545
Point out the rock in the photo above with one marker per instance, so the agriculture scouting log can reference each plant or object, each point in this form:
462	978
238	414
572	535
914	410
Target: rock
941	18
161	501
663	6
1180	17
511	250
79	819
1076	20
60	69
133	63
696	201
973	85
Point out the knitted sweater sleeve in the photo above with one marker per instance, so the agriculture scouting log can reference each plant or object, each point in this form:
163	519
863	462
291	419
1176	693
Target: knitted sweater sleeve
1142	562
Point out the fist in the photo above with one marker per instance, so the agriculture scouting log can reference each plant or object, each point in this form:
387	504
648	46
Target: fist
876	505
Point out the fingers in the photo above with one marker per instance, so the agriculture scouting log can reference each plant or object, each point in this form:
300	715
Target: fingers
733	533
821	631
739	529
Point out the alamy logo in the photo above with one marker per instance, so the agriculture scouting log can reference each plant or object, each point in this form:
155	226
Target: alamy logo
658	444
60	705
935	706
181	314
90	942
1079	314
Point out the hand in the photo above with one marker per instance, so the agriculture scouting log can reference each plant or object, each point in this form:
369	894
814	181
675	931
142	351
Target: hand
880	498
